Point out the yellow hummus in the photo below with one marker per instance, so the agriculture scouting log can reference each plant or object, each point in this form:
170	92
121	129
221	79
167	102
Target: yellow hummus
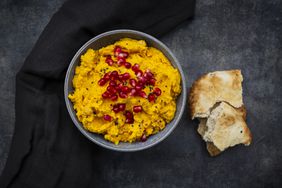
91	107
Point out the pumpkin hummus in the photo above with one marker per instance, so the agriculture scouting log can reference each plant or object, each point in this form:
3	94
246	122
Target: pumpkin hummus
126	91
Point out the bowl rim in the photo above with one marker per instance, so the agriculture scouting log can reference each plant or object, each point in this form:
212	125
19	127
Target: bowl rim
68	102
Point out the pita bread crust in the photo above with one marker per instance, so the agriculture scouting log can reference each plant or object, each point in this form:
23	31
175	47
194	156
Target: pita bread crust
215	87
212	149
226	127
202	128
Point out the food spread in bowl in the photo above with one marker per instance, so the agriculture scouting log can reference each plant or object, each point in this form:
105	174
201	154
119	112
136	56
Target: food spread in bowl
125	91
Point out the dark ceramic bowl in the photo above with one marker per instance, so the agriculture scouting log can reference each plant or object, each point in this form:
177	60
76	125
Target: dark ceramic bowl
105	39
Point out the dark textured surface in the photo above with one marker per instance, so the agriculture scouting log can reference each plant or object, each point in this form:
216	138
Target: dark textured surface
21	23
223	35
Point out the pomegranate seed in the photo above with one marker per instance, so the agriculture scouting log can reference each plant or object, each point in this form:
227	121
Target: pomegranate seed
116	108
135	67
122	95
148	74
107	76
143	138
107	117
132	82
157	91
119	86
117	50
123	54
110	63
105	95
111	89
121	106
126	76
137	109
128	115
120	77
142	80
142	94
114	75
129	120
109	60
152	81
112	83
120	61
151	97
133	92
140	83
102	82
127	65
114	97
139	87
125	89
145	75
138	73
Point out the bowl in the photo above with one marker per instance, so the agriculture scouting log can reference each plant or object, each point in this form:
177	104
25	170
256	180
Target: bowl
108	38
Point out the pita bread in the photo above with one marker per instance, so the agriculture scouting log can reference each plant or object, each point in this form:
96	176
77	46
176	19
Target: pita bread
215	87
216	100
225	127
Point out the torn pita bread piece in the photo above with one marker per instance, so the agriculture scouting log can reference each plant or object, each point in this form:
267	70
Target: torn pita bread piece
216	100
215	87
225	127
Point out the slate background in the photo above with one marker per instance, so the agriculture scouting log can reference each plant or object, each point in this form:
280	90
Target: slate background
223	35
